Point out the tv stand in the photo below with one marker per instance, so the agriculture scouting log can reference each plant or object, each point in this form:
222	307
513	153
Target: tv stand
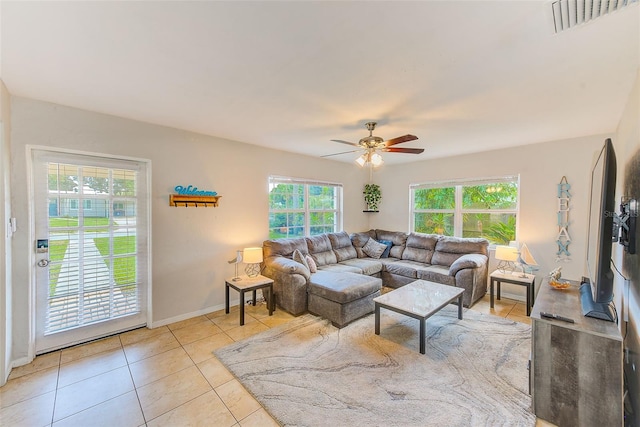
597	310
576	368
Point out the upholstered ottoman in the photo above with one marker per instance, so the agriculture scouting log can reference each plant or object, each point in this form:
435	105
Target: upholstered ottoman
342	297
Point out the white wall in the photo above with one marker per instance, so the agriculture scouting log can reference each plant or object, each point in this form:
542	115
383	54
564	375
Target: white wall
190	246
540	166
5	240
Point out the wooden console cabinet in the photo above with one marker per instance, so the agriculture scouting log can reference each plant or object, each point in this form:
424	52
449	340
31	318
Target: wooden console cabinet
576	368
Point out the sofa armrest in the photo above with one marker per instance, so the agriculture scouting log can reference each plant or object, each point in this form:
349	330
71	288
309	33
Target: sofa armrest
287	266
467	261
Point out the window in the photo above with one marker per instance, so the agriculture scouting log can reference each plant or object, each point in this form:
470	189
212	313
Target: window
303	208
480	208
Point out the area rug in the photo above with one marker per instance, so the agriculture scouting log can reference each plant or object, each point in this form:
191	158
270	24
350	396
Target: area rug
309	373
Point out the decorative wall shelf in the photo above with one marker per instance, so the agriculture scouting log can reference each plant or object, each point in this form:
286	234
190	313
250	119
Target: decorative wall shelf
189	200
370	211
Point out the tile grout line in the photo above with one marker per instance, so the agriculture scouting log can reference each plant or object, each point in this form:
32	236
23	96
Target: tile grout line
55	394
135	388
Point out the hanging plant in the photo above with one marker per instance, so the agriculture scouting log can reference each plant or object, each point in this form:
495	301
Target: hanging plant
372	196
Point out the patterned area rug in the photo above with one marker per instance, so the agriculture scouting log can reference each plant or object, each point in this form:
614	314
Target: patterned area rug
309	373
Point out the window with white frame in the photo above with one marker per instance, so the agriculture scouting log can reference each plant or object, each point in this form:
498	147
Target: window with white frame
299	207
485	208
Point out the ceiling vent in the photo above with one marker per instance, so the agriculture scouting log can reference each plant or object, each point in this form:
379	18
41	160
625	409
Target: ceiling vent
569	13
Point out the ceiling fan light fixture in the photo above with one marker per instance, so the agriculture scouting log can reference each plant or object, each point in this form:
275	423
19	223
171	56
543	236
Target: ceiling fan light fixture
376	159
371	145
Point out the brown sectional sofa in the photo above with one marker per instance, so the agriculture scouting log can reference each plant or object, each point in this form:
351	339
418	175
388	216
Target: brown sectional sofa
460	262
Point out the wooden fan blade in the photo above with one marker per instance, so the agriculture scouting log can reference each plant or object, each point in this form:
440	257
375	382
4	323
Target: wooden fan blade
337	154
403	150
400	140
345	142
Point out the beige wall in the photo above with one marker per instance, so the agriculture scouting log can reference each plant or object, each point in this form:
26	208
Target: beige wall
540	166
190	246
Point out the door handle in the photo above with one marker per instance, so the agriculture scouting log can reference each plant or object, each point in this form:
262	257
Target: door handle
43	263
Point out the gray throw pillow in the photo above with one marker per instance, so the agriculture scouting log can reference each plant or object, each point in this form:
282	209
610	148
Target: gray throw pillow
299	257
373	249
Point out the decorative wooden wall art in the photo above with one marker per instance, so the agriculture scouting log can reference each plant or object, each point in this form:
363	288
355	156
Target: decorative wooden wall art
563	239
191	196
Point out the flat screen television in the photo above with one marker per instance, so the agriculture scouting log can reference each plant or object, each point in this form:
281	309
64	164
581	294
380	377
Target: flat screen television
597	294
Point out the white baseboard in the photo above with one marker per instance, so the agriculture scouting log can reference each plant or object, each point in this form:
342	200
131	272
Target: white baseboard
207	310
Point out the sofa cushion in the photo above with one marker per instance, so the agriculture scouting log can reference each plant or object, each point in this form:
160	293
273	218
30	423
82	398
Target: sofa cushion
360	239
338	268
438	274
449	249
374	249
342	246
368	266
320	249
405	268
343	287
398	238
284	247
420	247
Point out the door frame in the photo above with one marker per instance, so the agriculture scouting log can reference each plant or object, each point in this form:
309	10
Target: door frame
31	353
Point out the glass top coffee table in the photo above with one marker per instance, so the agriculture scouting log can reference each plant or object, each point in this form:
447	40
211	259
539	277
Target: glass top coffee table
420	299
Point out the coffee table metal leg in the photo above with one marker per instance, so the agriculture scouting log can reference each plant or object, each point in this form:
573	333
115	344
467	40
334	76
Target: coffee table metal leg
460	307
241	308
377	317
226	298
423	335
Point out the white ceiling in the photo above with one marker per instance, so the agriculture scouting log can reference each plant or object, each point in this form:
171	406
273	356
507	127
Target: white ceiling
464	76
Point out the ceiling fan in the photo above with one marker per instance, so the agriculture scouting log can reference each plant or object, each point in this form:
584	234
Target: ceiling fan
372	145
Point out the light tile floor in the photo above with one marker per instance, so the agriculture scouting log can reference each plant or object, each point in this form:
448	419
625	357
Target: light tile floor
165	376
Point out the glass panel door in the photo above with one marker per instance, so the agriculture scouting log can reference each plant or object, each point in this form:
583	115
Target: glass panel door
91	247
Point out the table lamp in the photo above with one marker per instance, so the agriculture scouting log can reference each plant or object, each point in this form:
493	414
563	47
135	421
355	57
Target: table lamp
252	257
507	255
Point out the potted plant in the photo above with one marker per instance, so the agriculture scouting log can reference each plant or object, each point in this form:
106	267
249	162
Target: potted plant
372	196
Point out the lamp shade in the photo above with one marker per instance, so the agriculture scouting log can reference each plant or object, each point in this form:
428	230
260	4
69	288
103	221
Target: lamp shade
506	253
252	255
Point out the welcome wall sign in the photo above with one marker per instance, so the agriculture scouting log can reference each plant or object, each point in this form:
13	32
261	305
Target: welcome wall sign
190	195
563	238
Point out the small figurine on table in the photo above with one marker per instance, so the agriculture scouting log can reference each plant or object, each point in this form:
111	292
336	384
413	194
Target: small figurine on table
556	273
555	281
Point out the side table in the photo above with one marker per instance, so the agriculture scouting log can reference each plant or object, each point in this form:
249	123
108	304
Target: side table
246	284
514	278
